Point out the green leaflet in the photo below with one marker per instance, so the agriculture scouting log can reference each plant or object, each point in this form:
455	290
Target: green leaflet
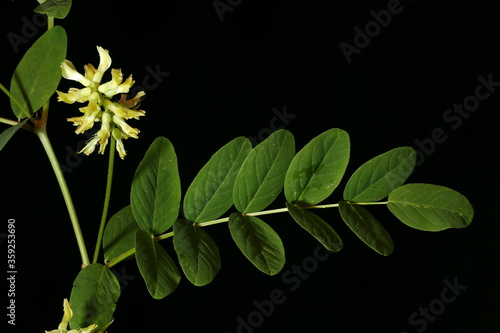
211	193
317	168
197	253
9	132
366	227
93	298
258	242
54	8
156	190
38	73
157	268
261	176
317	227
119	235
376	178
430	207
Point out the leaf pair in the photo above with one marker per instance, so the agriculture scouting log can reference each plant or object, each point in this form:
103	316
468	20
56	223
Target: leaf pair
420	206
155	199
208	197
315	172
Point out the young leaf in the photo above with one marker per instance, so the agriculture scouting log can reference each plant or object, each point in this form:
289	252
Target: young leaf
376	178
54	8
430	207
211	193
317	227
261	176
317	168
366	227
258	242
157	268
39	72
93	297
197	252
156	189
9	132
119	235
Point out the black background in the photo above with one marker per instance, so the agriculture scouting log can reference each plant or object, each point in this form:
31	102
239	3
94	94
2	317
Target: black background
225	78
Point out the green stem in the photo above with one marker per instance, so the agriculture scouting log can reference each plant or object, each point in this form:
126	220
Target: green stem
42	135
107	197
129	253
50	22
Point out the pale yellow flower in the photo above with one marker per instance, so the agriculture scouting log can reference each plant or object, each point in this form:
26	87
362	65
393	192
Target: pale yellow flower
101	108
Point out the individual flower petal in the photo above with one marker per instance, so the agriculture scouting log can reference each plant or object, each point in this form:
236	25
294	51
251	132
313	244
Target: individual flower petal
69	72
90	146
125	86
91	108
109	88
115	108
68	313
118	136
132	102
135	114
104	64
104	132
131	132
84	123
89	71
73	95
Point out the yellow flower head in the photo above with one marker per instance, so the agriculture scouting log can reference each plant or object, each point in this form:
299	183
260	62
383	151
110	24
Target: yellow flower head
101	108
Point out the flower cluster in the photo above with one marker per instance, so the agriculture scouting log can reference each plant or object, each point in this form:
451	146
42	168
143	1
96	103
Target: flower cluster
100	107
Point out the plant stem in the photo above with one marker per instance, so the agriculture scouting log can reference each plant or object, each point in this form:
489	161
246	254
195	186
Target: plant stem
107	197
42	135
129	253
